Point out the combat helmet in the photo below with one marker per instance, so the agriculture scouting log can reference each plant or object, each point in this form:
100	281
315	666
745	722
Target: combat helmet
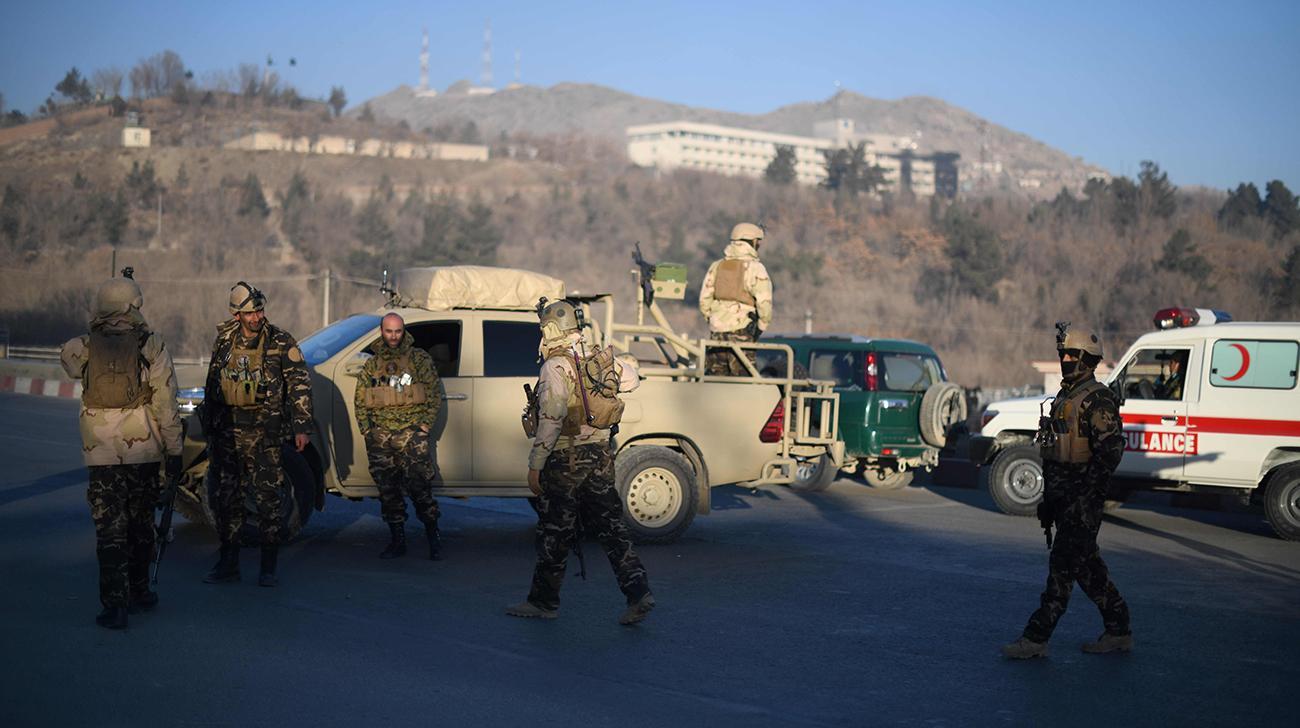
1077	338
748	232
116	296
244	298
557	318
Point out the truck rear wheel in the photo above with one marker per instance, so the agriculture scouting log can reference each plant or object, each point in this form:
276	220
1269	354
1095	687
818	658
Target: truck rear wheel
813	475
1015	480
657	487
883	477
1282	501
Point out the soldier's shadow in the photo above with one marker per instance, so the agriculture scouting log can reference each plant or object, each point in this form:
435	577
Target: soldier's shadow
737	497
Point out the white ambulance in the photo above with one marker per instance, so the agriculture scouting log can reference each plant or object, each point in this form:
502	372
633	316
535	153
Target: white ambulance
1209	405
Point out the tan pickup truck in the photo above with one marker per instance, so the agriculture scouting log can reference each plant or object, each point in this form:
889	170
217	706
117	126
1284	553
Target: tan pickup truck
682	432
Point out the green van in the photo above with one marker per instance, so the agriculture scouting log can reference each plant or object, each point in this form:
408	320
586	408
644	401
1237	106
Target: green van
896	404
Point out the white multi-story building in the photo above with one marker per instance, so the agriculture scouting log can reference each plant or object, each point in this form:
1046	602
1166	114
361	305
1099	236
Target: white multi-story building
745	152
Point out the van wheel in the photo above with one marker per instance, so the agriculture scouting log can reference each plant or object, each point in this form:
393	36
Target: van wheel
657	487
942	407
814	475
1282	501
884	478
1015	480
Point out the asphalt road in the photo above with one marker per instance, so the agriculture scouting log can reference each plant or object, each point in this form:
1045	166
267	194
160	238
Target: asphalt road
849	607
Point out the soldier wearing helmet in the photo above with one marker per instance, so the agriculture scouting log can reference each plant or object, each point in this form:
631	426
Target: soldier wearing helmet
736	298
572	419
129	423
1081	443
257	397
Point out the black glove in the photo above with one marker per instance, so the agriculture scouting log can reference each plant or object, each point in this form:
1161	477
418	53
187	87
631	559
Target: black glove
1044	513
172	467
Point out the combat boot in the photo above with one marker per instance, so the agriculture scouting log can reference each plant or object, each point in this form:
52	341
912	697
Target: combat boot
1108	642
143	601
227	569
1024	648
529	610
112	618
269	556
396	547
435	542
637	611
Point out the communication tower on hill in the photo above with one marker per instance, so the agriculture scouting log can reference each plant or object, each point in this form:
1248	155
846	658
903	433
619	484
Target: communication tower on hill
423	89
486	81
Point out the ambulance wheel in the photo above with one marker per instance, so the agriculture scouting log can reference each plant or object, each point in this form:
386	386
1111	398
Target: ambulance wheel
1015	480
657	487
1282	501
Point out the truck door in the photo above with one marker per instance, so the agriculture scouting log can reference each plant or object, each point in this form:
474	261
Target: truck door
509	362
1246	409
451	433
1155	412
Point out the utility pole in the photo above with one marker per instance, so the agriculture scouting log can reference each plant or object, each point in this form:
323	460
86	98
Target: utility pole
325	299
807	320
158	236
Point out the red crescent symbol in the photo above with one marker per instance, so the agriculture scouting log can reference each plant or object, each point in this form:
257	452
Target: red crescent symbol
1245	363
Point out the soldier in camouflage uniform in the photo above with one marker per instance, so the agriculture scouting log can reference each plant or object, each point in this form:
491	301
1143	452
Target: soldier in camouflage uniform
736	298
571	466
397	404
129	421
1082	443
258	394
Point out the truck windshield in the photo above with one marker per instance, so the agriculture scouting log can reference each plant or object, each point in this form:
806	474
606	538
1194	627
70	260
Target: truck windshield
330	340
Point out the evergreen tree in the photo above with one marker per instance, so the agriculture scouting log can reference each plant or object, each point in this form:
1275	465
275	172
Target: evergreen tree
1181	256
1242	204
251	199
781	170
338	100
1288	287
1157	196
1280	209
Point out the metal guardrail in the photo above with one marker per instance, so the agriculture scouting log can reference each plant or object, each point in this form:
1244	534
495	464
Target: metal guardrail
51	353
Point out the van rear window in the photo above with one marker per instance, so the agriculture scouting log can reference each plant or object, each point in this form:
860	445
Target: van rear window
1253	364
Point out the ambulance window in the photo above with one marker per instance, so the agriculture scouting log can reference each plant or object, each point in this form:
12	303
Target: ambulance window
1156	374
1254	364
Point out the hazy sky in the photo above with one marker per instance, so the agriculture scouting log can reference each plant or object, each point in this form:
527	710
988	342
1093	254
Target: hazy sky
1210	90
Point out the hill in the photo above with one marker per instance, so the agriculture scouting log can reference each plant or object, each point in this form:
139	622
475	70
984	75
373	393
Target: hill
994	157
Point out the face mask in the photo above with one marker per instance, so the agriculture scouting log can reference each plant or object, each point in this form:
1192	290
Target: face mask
1073	371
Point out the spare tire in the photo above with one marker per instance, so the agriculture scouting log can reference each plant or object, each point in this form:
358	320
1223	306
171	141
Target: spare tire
942	407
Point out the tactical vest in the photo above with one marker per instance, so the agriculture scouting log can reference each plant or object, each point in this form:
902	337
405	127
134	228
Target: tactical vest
729	282
387	388
1071	446
242	374
114	374
594	399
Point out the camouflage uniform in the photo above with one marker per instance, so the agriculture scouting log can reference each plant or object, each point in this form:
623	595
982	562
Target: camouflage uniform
122	448
733	320
577	478
246	440
1075	495
397	436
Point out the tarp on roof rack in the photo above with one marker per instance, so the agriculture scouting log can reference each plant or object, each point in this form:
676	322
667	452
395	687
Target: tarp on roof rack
442	288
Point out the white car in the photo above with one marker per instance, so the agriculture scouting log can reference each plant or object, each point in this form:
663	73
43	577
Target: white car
1209	405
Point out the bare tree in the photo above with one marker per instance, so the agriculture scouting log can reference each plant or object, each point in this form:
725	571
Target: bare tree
157	75
107	81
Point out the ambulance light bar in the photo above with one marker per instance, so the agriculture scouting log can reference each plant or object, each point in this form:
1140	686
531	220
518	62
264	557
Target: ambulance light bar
1177	318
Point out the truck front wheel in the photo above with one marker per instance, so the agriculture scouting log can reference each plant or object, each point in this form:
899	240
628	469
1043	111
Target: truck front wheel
1015	480
657	486
1282	501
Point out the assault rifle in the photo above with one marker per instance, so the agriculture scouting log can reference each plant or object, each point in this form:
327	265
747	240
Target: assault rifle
163	530
647	275
1045	520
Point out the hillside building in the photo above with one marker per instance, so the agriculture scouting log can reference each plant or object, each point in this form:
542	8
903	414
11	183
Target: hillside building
745	152
273	142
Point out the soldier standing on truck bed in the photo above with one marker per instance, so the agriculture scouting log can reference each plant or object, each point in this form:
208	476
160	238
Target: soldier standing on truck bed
129	420
397	404
1082	443
736	298
257	395
571	465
